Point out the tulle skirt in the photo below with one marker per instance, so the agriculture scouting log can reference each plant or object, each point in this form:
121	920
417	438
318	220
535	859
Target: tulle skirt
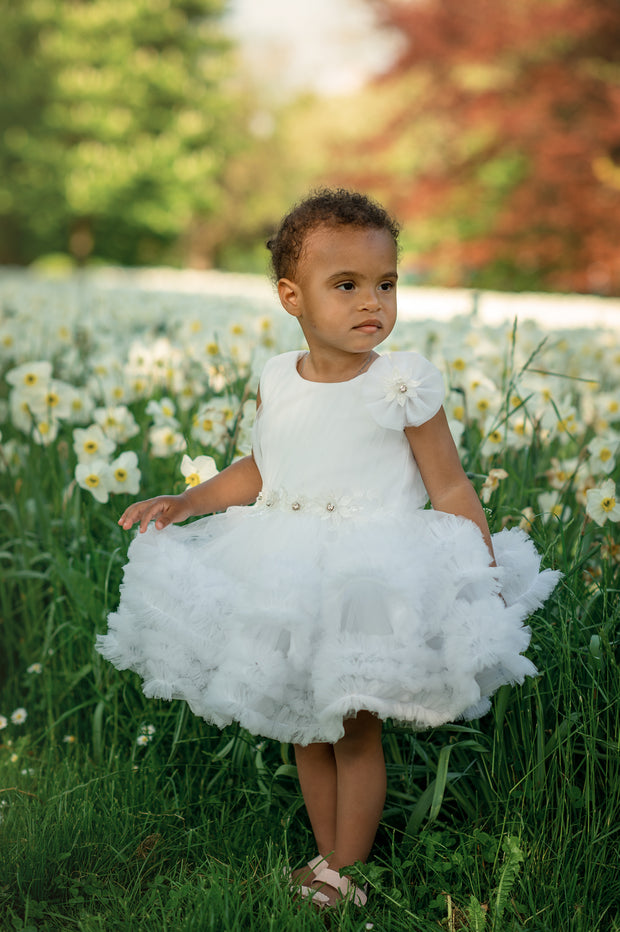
289	624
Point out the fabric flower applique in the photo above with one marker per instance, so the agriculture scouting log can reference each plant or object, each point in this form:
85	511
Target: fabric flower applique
403	390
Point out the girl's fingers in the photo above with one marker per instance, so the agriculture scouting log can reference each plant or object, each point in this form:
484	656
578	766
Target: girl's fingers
133	514
151	514
163	510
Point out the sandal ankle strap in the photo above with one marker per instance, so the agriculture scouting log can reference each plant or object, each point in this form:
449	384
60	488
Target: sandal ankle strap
343	884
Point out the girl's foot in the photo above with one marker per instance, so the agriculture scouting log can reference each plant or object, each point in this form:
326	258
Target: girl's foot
302	877
330	889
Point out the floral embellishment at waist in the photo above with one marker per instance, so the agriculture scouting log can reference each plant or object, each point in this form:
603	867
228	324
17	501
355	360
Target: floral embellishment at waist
330	506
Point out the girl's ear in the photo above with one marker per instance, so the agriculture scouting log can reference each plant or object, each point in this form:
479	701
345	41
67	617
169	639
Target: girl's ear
290	296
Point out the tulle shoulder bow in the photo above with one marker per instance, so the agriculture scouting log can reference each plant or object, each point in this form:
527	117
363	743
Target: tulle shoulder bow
402	389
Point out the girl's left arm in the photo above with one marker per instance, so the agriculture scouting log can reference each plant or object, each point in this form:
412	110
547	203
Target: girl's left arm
448	487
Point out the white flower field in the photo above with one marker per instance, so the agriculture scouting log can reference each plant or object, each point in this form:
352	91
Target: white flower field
110	392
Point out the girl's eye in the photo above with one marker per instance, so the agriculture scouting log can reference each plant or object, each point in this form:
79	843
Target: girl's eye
346	286
386	286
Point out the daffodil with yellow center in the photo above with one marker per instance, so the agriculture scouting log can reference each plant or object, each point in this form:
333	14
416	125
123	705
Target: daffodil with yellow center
91	444
94	477
483	405
603	452
124	475
198	470
602	504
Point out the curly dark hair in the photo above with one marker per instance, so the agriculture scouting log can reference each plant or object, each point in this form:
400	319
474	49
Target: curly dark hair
326	206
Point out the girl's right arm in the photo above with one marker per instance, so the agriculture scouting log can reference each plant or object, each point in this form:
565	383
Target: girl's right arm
238	484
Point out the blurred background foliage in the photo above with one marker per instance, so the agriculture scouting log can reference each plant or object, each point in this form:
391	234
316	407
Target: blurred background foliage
130	133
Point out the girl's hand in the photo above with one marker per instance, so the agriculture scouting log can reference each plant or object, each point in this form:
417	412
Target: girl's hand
164	510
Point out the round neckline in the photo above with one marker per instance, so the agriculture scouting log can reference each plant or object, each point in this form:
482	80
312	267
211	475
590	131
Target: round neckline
299	355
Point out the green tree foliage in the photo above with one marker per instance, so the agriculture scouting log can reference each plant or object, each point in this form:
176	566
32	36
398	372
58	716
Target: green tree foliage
118	119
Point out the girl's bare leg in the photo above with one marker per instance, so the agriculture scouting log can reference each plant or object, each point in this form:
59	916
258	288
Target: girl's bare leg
361	786
316	768
343	786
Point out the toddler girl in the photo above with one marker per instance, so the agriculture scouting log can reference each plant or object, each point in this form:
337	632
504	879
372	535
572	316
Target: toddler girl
320	597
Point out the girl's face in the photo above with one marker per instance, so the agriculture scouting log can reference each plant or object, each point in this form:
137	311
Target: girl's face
344	292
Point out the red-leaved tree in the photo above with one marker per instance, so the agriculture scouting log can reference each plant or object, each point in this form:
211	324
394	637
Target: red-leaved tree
512	110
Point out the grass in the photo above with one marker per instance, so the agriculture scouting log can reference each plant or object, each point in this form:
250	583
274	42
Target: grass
510	823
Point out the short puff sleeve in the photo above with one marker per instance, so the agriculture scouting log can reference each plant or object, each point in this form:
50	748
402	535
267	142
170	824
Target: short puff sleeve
402	390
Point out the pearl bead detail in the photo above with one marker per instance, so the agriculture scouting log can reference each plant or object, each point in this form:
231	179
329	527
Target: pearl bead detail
295	506
330	506
402	388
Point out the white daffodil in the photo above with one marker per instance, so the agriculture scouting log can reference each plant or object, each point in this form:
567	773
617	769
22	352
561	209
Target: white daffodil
3	722
19	716
483	397
561	472
165	441
116	391
91	443
551	506
209	429
459	362
30	375
35	668
603	451
607	407
117	423
519	432
561	421
198	470
602	504
455	407
82	406
245	428
163	413
124	475
585	482
52	399
527	518
226	409
44	431
146	735
95	477
457	429
106	370
494	443
188	393
21	413
491	483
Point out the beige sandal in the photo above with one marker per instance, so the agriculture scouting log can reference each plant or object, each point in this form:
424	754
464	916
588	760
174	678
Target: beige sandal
303	875
347	890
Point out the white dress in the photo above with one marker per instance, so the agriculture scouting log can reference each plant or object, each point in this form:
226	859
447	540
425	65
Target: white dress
337	591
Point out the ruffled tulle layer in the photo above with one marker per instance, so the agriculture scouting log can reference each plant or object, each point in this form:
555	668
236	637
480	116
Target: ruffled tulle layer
218	613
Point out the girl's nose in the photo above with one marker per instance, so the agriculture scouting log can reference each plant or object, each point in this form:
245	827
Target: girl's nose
369	300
